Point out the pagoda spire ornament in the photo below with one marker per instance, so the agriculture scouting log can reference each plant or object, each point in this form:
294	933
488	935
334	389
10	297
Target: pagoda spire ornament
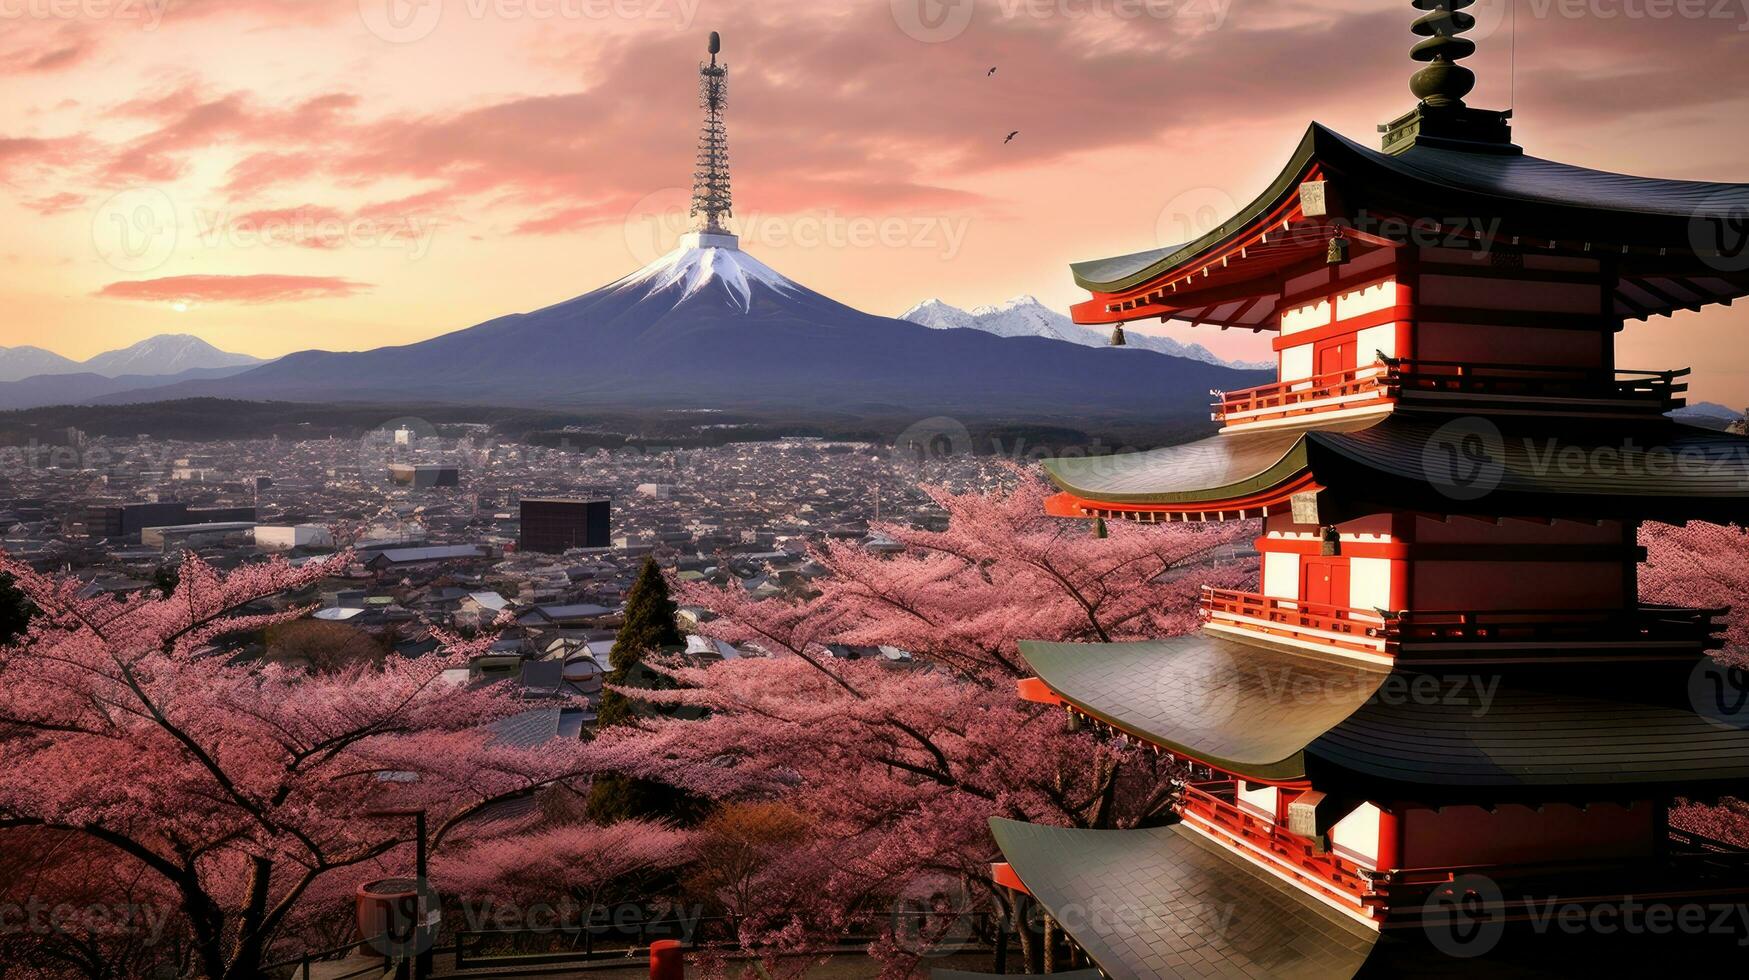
710	182
1444	82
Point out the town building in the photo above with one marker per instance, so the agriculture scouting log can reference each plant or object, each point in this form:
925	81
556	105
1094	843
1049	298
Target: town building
1445	711
552	525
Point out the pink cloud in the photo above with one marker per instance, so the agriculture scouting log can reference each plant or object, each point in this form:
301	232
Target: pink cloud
263	288
54	204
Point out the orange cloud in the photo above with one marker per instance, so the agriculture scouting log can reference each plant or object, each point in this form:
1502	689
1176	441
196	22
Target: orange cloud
264	288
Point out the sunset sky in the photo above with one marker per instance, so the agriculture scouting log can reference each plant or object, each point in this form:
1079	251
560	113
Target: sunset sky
276	175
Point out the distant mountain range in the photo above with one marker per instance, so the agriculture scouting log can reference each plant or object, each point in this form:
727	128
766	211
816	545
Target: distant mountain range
1024	316
1708	415
161	355
710	326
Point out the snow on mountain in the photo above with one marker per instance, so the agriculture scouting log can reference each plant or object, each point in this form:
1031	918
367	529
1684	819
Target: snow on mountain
1024	316
17	363
710	326
697	266
165	354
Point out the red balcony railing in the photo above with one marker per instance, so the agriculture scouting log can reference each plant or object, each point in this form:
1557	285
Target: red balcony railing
1341	626
1647	624
1215	804
1285	399
1408	377
1405	379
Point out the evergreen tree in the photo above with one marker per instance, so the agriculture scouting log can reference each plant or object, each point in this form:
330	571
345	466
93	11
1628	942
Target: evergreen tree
649	626
15	611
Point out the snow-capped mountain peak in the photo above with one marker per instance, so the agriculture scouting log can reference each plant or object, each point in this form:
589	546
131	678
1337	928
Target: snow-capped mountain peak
702	261
1025	316
170	353
160	355
935	314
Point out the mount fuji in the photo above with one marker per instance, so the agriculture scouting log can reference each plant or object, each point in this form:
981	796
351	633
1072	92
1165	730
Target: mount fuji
1024	316
710	326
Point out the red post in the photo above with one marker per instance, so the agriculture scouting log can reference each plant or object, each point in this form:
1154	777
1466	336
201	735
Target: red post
665	960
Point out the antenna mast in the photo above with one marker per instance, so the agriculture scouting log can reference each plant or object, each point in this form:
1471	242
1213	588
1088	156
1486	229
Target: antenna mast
710	182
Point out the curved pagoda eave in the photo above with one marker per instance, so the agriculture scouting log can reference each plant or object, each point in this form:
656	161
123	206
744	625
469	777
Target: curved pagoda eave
1648	224
1656	470
1217	701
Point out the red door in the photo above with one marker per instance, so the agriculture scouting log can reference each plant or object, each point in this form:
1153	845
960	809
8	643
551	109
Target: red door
1325	581
1335	356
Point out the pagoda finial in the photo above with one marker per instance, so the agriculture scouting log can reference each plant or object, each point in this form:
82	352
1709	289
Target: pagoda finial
1444	82
710	182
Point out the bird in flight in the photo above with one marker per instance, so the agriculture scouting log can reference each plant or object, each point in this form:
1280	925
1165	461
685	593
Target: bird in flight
992	71
1011	136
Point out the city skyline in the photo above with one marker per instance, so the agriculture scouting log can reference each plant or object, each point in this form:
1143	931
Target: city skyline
342	179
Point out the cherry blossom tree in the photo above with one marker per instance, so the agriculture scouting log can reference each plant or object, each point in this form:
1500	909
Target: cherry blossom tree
898	768
566	872
1700	564
236	788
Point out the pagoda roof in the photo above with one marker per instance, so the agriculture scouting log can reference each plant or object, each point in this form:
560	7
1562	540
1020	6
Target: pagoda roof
1530	465
1165	902
1264	713
1648	222
1216	700
1168	902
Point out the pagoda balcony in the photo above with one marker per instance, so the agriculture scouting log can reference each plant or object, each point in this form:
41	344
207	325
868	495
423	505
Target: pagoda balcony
1647	630
1353	630
1429	634
1451	384
1423	382
1283	402
1213	808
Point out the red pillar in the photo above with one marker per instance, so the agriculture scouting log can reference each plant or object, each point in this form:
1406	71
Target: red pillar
665	960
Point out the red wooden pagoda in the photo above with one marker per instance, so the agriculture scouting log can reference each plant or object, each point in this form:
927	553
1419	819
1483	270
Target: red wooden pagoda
1446	716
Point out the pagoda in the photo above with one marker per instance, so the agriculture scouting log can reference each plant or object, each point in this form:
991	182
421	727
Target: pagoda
1445	735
